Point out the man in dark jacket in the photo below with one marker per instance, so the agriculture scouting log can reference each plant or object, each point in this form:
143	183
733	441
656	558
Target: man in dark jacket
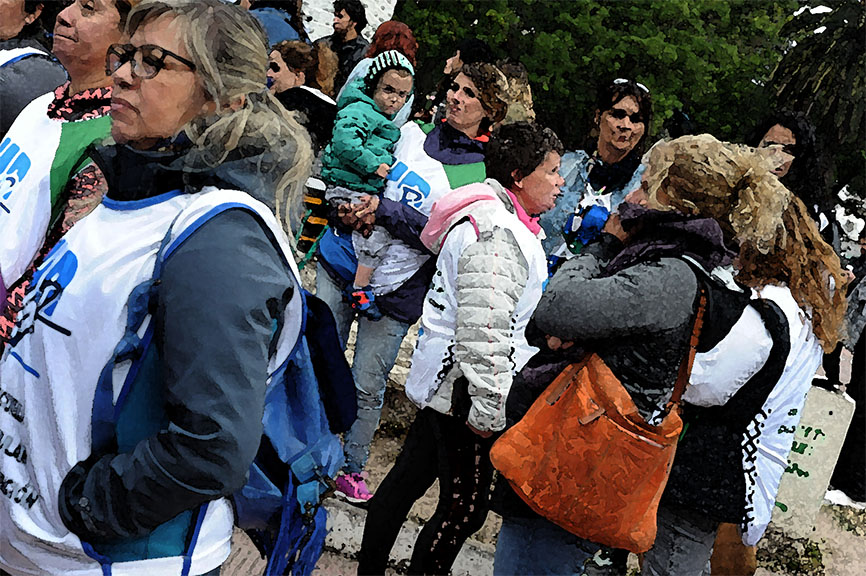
350	19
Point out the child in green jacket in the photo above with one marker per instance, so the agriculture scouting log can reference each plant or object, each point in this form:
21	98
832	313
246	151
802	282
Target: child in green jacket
360	155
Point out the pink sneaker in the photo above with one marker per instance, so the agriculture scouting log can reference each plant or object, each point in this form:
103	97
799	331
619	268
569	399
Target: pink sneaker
353	488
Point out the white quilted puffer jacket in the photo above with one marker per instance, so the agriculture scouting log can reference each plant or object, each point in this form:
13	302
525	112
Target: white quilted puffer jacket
490	274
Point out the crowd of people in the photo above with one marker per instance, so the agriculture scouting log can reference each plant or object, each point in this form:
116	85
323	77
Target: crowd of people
157	158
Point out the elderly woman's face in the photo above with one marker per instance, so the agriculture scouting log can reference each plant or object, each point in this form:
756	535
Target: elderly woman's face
82	34
145	110
464	111
621	127
538	191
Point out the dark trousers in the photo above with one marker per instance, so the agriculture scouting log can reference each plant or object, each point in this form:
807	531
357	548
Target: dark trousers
850	473
437	446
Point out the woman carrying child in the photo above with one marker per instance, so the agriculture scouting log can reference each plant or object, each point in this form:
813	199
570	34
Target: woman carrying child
430	161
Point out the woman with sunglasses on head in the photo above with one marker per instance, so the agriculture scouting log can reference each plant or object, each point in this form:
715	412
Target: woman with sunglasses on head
600	177
126	470
48	181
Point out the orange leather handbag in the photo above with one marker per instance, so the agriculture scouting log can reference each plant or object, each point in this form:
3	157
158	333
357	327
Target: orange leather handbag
584	458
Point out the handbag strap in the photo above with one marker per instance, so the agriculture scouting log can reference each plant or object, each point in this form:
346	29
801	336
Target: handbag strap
686	365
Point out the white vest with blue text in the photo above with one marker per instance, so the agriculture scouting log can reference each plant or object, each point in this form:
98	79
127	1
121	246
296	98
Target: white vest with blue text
75	314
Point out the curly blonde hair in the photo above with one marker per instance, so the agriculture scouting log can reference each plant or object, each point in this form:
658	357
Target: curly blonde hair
778	240
230	51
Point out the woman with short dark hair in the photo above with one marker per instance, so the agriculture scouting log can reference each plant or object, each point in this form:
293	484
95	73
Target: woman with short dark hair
489	277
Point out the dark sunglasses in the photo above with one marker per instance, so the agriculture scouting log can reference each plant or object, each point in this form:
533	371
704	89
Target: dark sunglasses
146	60
455	87
274	67
620	114
786	148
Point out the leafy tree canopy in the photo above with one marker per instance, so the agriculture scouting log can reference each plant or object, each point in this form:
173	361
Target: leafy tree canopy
823	74
711	58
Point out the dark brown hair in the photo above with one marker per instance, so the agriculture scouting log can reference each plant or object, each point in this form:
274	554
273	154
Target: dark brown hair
298	56
521	147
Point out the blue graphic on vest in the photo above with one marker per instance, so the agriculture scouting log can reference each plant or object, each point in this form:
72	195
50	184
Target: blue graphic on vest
44	292
14	166
414	189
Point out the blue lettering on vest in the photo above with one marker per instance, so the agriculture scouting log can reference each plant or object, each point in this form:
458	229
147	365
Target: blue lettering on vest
414	188
43	294
14	166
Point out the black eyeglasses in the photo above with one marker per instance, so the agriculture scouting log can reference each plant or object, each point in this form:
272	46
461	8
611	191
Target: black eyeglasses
274	67
146	60
621	114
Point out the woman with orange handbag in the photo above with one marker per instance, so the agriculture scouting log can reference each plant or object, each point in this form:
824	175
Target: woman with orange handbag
631	299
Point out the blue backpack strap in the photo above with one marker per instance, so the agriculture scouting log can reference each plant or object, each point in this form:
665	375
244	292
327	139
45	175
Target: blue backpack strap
23	55
106	415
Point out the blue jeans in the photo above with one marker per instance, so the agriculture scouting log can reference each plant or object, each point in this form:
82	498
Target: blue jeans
530	546
332	294
376	348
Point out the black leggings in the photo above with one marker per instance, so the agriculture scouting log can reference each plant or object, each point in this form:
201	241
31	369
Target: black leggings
437	446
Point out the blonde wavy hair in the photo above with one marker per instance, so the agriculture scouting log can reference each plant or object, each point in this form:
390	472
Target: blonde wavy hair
230	51
778	240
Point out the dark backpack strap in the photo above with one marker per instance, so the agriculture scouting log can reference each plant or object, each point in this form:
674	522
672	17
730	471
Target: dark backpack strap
685	369
336	384
743	405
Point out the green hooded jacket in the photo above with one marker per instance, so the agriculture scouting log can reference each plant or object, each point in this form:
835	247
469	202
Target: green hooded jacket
363	139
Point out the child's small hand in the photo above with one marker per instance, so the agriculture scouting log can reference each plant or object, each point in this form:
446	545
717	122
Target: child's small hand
382	170
367	205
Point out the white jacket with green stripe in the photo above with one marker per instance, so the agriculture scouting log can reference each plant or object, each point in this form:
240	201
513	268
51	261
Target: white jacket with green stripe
489	277
38	157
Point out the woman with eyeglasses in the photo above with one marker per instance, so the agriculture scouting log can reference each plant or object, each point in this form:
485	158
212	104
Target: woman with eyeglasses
122	465
47	182
597	180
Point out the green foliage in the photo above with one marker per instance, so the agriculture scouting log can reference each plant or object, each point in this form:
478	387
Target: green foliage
711	57
824	76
